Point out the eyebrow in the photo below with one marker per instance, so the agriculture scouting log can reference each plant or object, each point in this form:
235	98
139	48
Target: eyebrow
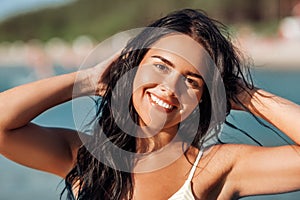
172	65
195	75
164	60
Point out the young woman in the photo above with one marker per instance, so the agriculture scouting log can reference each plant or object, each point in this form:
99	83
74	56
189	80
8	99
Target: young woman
174	73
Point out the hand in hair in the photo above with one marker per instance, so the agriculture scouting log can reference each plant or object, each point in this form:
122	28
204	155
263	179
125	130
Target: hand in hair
96	78
242	101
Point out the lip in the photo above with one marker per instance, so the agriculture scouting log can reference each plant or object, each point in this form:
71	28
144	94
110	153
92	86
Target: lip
159	107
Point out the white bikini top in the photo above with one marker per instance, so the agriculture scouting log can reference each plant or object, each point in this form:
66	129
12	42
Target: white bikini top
185	192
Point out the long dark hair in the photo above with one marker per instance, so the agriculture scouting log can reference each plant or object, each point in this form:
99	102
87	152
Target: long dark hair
95	180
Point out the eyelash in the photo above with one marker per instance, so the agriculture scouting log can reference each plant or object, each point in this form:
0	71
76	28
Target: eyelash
161	67
189	81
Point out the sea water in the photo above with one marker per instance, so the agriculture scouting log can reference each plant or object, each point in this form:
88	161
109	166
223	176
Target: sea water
21	183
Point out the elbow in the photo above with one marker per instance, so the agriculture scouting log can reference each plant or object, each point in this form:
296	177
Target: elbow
2	139
3	135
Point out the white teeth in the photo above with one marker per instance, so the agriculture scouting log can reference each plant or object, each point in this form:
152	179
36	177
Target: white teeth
161	102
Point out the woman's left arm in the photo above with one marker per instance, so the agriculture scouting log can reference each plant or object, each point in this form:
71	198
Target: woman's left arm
282	113
266	170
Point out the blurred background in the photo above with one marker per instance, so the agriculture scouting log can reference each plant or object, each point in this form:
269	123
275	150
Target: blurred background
42	38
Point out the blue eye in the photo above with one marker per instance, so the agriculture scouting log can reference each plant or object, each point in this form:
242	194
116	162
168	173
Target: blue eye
192	83
162	67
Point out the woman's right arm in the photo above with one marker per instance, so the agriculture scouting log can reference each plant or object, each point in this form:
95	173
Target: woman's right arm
49	149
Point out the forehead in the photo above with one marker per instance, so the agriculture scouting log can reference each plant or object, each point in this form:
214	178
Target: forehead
183	47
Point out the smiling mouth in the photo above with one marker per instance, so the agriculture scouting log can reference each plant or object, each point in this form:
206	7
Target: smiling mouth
161	103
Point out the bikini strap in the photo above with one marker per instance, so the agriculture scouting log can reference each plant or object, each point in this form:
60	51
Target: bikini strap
192	172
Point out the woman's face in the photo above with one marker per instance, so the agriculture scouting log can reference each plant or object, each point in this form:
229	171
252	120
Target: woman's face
168	84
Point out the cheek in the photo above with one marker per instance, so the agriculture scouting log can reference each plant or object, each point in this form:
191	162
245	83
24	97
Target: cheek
140	78
146	76
190	101
192	97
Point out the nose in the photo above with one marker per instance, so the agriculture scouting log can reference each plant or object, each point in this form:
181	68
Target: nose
172	84
166	90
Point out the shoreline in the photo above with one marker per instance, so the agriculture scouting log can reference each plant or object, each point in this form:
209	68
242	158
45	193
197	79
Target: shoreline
266	53
272	53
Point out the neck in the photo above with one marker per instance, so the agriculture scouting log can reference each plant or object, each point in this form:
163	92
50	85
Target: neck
149	142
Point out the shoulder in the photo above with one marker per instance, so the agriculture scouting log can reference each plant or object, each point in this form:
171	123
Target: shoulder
224	154
215	168
251	170
224	157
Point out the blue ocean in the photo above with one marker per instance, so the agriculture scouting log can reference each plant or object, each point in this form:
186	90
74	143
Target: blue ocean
21	183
